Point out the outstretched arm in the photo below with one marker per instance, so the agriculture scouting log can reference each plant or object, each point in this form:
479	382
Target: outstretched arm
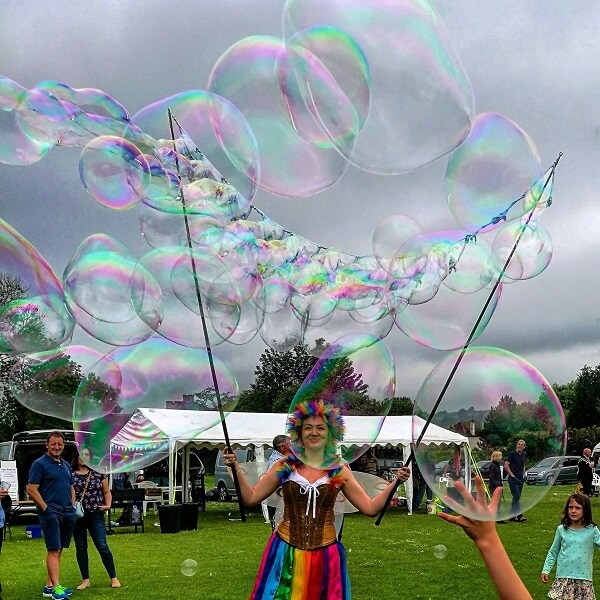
266	485
502	572
359	498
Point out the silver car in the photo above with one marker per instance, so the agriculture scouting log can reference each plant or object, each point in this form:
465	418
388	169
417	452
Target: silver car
553	470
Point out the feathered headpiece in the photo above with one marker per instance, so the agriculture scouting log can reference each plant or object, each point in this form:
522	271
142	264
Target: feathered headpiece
316	408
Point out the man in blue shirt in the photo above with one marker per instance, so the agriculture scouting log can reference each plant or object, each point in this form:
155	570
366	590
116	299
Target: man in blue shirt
515	467
50	486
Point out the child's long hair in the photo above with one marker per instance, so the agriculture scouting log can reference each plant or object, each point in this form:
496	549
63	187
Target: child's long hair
585	503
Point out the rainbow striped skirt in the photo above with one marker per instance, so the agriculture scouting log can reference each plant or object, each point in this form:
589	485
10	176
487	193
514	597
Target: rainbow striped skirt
287	573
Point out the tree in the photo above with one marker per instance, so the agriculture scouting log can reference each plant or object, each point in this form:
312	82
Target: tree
585	406
401	406
566	395
510	421
277	376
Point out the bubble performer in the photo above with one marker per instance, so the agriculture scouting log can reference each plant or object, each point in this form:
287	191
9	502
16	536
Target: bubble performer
303	557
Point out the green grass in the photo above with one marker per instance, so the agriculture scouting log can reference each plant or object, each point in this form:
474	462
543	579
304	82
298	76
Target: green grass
394	561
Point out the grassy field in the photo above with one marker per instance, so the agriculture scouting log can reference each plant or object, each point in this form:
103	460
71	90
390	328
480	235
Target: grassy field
394	561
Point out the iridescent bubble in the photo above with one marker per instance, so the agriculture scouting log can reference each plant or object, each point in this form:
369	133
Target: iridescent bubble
216	126
11	93
16	148
91	101
160	228
248	75
43	116
156	374
325	80
33	315
111	170
47	383
100	282
281	330
421	100
440	551
356	374
499	398
447	321
391	234
489	172
181	321
189	567
526	246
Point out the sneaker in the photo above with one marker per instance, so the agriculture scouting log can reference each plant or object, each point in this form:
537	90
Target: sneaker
501	522
47	592
60	592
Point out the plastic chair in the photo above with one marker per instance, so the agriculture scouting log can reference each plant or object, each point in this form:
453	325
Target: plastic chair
596	484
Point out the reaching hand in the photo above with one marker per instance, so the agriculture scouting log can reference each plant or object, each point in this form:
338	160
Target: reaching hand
477	530
483	532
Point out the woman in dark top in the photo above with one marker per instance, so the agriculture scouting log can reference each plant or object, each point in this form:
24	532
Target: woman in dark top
93	487
495	475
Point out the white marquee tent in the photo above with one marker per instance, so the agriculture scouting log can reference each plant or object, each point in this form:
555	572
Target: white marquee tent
173	429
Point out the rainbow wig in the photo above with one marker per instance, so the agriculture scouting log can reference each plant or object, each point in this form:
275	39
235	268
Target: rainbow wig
316	408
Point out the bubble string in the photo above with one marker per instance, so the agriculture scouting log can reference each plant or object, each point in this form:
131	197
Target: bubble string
203	320
461	355
318	248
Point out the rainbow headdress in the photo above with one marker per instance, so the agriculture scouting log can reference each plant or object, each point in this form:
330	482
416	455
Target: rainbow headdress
317	408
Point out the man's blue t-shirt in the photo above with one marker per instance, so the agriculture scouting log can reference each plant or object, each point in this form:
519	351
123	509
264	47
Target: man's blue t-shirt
517	463
54	478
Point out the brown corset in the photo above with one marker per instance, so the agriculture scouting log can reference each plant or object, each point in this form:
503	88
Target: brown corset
301	530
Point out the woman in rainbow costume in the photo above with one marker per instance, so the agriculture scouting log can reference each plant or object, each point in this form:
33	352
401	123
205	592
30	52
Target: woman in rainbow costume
303	559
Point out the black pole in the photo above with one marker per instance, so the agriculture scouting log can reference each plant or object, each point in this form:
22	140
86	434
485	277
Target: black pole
463	351
205	329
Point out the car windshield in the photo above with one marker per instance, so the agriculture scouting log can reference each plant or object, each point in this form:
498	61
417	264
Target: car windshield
544	464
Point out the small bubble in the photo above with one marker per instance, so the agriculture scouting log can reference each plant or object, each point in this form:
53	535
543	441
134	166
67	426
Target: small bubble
440	551
189	567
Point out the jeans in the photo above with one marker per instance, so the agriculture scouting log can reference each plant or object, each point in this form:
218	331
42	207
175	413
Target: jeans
419	492
516	487
94	523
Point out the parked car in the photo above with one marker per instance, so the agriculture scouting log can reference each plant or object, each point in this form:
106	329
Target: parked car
483	467
553	470
224	486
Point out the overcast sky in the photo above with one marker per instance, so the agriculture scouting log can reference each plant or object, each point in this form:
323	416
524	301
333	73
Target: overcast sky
534	61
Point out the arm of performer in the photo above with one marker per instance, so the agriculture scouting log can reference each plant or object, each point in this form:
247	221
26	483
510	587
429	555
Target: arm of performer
501	570
252	495
360	499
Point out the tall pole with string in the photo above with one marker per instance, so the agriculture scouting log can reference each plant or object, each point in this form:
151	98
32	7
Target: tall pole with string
203	320
461	355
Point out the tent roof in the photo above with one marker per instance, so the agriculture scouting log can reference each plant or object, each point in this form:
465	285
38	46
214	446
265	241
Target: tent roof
204	429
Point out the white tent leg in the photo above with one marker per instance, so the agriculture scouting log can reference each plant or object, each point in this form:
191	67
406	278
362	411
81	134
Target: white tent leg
408	485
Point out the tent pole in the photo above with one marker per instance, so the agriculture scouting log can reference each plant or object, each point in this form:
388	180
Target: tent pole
203	320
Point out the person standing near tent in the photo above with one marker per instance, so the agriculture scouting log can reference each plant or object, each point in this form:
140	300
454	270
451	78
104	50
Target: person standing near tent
91	488
50	486
281	447
514	465
585	471
303	558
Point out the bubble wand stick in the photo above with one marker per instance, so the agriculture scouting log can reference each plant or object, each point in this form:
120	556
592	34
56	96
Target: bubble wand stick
469	339
204	328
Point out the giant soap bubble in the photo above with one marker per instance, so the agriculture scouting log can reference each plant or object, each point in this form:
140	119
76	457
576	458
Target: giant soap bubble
497	398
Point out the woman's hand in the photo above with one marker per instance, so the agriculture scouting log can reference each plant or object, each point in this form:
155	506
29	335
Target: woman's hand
402	474
229	458
104	507
544	577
